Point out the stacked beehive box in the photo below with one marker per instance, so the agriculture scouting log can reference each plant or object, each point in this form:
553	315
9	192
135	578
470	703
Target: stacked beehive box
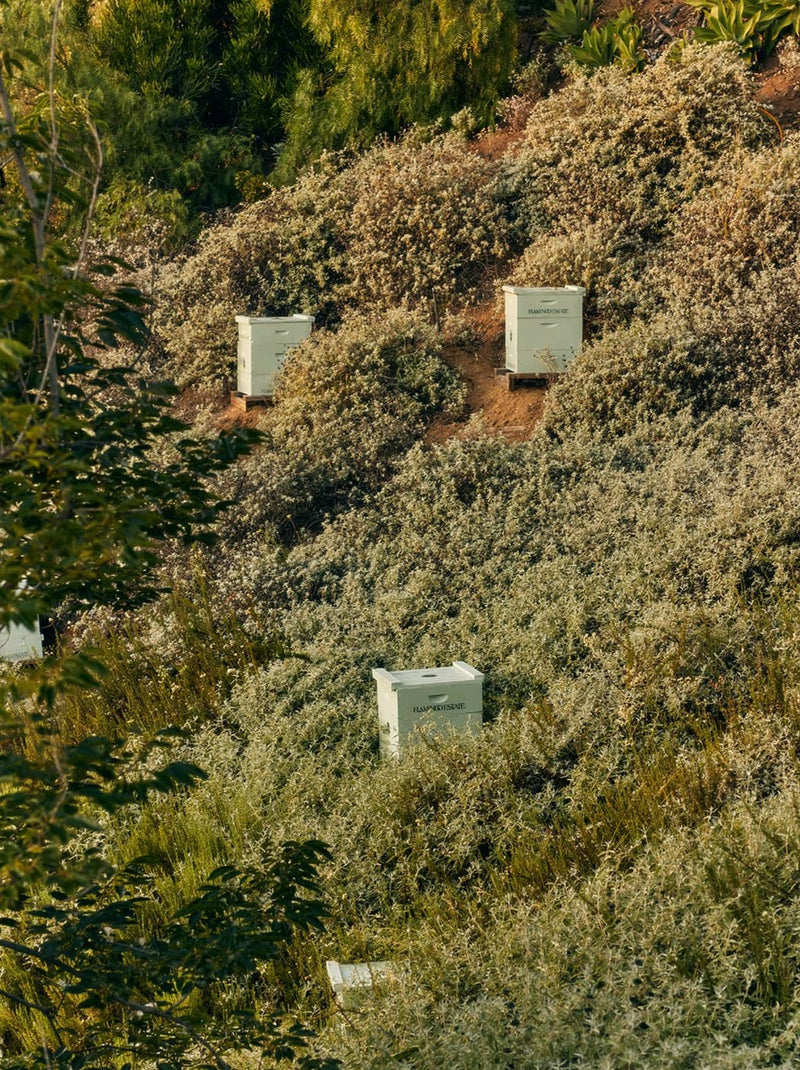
264	342
544	328
436	701
18	643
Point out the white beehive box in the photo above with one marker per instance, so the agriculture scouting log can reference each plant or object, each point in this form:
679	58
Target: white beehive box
352	981
19	643
544	328
439	700
264	342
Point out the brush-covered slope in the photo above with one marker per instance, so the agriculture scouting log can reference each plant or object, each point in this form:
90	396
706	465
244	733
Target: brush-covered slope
608	876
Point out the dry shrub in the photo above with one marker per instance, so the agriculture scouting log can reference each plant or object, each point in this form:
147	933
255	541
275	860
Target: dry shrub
685	959
732	263
598	256
388	228
747	222
349	403
425	220
716	320
607	876
633	149
703	356
276	257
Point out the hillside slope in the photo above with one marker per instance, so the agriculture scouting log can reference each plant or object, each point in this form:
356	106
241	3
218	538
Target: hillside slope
608	875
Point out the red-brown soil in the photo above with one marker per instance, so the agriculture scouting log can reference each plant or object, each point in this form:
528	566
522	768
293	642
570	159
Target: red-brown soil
513	414
779	86
777	80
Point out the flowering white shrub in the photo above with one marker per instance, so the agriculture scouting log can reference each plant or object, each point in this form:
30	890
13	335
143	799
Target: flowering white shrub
607	876
609	166
426	221
403	223
349	402
634	149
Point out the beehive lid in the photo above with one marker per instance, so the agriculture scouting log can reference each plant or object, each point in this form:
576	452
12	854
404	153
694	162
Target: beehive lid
296	318
458	672
543	289
356	974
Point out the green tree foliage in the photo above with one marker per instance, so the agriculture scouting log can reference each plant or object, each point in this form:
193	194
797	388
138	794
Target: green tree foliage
187	93
391	65
213	73
80	969
86	495
230	57
199	96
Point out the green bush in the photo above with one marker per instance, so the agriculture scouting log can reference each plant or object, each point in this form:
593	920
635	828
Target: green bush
753	26
349	403
568	20
618	41
129	213
389	67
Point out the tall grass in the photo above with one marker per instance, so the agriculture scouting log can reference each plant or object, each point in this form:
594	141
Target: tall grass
172	664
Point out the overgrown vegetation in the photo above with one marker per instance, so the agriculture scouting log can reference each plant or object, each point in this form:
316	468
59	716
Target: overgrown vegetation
408	223
754	27
98	965
606	876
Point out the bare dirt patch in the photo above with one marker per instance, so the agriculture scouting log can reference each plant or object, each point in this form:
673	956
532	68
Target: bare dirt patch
492	144
511	414
779	86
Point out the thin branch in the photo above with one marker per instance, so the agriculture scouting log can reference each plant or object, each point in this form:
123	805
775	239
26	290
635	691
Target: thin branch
98	170
156	1012
45	1050
25	1002
24	175
40	214
51	335
38	218
138	1008
51	93
24	949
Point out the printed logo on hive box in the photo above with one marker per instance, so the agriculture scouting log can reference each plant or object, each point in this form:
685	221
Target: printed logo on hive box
439	706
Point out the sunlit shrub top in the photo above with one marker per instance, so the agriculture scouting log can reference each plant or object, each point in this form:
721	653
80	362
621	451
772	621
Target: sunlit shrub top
633	148
406	223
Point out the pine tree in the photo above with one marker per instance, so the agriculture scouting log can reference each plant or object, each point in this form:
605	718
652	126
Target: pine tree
392	65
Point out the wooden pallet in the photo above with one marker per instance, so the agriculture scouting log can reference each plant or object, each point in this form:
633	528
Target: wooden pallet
249	401
515	379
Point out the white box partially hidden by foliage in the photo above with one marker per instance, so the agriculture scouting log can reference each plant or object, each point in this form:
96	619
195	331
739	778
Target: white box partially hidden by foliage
264	342
352	981
436	701
19	643
544	328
